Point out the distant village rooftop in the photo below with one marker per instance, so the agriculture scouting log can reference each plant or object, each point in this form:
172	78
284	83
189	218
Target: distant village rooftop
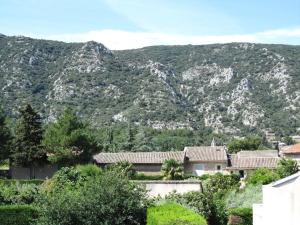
139	157
254	159
291	149
206	154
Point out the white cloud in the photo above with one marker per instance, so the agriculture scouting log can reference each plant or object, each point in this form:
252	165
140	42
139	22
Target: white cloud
118	39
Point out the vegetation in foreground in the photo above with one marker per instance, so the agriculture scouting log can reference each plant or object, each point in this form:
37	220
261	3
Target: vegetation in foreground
173	214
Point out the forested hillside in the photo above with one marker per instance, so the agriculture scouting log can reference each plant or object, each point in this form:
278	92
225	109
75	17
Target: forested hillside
237	88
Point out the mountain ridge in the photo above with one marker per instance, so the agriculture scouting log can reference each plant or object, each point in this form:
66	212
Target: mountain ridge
233	88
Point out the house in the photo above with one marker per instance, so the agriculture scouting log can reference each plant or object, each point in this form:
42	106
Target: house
205	159
244	162
196	160
291	152
281	203
148	162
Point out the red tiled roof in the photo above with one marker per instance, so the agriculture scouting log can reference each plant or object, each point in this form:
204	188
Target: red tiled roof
138	157
292	149
206	153
256	159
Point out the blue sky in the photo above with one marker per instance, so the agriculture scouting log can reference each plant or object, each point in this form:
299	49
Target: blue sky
122	24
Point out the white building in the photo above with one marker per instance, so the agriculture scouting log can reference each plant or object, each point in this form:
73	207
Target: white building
281	203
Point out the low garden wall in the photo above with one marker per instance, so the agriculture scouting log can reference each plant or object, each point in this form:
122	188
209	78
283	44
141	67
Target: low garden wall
163	188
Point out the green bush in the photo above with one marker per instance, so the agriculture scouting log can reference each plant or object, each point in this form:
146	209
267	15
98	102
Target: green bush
18	193
263	176
245	214
13	182
89	170
287	167
142	176
106	199
125	168
17	214
173	214
245	197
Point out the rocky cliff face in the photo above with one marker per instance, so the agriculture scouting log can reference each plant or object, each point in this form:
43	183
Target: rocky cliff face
233	88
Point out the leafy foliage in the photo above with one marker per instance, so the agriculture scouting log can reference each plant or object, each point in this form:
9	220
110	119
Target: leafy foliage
17	193
245	197
5	137
17	215
173	214
210	203
249	143
94	201
124	168
287	167
172	170
263	176
69	140
244	215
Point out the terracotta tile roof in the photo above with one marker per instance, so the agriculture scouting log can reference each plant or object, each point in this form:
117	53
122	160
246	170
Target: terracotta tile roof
138	157
291	149
256	159
258	153
206	153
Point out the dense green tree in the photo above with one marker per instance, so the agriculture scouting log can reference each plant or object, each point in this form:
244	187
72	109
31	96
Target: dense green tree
288	140
5	137
69	140
107	199
248	143
172	170
263	176
28	149
287	167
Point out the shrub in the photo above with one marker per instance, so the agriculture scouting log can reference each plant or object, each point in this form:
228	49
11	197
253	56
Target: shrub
287	167
13	182
17	214
142	176
207	204
244	197
125	168
173	214
240	216
263	176
221	183
172	170
18	193
107	199
89	170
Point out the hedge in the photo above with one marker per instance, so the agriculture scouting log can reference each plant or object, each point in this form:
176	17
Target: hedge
173	214
240	216
142	176
12	181
17	214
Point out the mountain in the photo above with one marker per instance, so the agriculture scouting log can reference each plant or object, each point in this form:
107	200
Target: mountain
233	88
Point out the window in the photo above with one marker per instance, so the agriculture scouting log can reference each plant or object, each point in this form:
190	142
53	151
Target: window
219	167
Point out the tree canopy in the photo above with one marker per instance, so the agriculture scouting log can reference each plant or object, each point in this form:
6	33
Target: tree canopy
5	137
68	140
28	149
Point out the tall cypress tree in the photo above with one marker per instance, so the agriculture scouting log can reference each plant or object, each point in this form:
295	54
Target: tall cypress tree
28	150
5	137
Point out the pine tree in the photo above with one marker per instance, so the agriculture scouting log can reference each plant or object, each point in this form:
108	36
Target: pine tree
69	140
5	137
28	150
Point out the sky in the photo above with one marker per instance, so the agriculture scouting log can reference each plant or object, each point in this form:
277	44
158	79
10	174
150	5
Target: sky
126	24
